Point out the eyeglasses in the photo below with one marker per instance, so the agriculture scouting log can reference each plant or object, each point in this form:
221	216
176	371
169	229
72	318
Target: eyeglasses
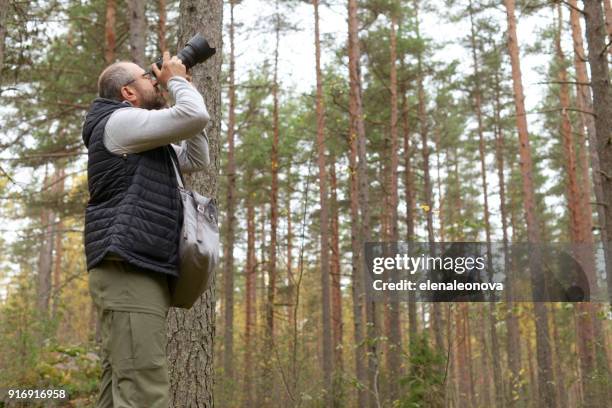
147	75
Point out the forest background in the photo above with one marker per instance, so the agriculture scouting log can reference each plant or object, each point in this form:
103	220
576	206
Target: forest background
333	124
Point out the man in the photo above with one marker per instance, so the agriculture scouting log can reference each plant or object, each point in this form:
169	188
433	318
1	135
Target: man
133	219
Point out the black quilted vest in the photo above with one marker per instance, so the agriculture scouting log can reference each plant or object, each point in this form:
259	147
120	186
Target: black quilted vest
134	208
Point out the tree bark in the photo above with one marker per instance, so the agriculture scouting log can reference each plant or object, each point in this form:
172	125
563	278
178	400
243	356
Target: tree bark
327	361
513	344
584	103
4	6
161	27
274	195
497	376
577	232
409	194
109	32
228	247
464	399
357	131
392	317
422	114
138	30
57	262
558	360
250	299
337	321
357	288
545	375
45	256
191	332
602	107
578	229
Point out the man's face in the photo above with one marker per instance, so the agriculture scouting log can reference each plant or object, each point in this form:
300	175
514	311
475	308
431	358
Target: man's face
146	90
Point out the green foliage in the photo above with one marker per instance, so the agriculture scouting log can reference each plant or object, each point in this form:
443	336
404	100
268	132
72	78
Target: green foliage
423	385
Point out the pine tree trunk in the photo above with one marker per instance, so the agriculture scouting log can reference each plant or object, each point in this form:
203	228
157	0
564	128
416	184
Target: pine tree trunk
327	360
357	131
109	32
250	299
269	346
59	235
558	360
578	232
585	105
513	344
409	194
337	325
497	379
138	30
45	256
290	277
422	115
4	6
357	288
392	317
260	391
545	375
464	399
228	247
161	26
602	108
191	332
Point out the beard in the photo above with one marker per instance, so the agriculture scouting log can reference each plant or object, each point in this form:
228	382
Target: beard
153	99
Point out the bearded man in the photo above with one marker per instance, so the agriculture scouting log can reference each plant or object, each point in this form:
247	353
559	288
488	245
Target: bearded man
134	216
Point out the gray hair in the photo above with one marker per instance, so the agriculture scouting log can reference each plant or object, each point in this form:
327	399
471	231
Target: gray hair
112	79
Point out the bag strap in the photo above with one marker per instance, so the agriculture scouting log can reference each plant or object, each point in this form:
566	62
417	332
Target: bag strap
179	176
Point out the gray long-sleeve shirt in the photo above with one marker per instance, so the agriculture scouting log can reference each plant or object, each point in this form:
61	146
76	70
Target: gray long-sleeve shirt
134	130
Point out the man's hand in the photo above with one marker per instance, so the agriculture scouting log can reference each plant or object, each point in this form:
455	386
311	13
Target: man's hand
170	67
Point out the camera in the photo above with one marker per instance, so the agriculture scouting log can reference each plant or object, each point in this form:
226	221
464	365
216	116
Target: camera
196	51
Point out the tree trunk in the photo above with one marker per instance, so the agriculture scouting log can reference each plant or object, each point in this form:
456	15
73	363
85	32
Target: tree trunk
161	27
602	107
578	229
545	375
337	325
138	30
577	232
497	376
409	193
261	392
191	332
357	288
464	399
274	197
250	299
513	345
584	102
109	32
422	113
228	247
392	317
327	360
57	262
558	360
533	388
4	6
357	132
45	256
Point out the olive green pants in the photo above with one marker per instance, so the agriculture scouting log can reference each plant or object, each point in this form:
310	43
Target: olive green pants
132	305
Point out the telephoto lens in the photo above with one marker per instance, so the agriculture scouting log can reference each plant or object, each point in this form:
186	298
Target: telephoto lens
196	51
